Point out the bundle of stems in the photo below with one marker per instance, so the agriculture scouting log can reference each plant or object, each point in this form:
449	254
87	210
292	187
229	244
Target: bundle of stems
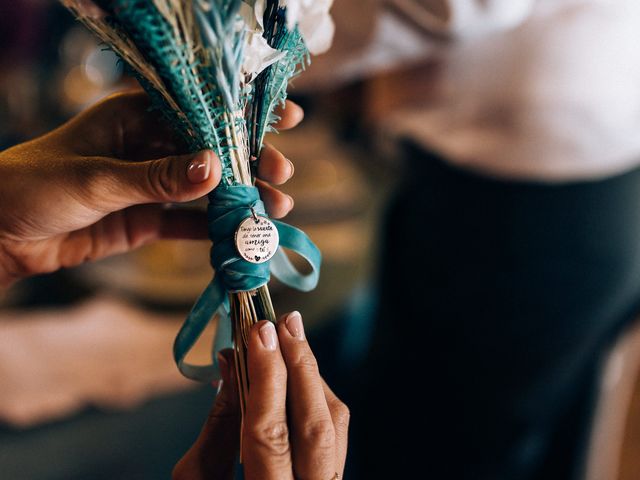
247	309
191	57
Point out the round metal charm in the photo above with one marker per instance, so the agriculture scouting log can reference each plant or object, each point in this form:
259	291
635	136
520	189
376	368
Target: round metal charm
257	239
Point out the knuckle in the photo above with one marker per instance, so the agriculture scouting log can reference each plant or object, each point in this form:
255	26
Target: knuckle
272	437
94	181
88	174
305	360
341	413
319	434
163	180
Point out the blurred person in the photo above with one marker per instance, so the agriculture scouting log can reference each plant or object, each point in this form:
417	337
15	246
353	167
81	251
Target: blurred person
511	257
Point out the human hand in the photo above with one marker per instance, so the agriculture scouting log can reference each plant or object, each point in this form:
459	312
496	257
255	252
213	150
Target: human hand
95	187
294	425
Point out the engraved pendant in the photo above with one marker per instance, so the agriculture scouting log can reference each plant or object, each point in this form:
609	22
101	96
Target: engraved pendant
257	239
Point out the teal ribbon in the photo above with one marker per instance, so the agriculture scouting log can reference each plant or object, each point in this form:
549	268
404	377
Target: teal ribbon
228	207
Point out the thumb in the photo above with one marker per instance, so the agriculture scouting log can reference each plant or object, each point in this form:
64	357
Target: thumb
177	179
214	454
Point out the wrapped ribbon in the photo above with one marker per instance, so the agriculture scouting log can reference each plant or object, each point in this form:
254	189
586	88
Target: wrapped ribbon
229	206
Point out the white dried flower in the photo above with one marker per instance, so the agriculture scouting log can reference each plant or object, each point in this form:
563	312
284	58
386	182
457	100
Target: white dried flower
311	16
258	54
313	20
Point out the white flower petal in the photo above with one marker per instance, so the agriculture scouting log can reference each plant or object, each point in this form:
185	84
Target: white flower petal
318	32
259	8
258	55
251	15
314	20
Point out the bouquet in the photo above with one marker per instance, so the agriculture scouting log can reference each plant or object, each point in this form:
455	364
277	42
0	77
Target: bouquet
217	70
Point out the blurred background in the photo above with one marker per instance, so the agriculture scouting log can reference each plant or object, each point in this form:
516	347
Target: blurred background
88	388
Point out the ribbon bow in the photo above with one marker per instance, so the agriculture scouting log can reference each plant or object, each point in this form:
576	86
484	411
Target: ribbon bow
228	207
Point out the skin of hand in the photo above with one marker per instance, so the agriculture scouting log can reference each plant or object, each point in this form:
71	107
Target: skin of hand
294	428
96	186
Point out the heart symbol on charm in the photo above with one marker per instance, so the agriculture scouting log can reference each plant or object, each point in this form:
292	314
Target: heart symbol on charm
257	258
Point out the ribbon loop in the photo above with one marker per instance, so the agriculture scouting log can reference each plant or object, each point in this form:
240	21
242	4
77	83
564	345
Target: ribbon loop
213	300
282	268
228	207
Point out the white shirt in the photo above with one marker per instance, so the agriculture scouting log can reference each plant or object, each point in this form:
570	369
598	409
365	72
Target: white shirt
537	89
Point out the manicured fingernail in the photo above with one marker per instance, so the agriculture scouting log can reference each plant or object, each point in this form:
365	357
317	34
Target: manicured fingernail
291	202
292	169
294	325
199	169
268	336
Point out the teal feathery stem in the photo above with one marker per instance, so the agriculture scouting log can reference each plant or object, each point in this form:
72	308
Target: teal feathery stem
200	87
270	87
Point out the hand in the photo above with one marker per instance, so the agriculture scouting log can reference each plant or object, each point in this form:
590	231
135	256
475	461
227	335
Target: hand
94	187
294	426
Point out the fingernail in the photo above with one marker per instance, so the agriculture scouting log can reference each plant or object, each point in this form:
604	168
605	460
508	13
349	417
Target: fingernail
294	325
291	202
199	169
219	389
268	336
292	169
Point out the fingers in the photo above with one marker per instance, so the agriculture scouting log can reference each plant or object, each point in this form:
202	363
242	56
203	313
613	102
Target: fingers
214	453
340	416
123	126
274	167
266	451
109	185
313	433
173	179
127	230
278	204
291	114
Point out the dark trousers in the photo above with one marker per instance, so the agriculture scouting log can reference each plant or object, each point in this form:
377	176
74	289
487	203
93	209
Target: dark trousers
498	302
